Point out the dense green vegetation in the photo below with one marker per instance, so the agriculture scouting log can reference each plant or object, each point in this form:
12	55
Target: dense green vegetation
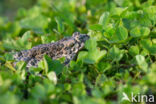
119	57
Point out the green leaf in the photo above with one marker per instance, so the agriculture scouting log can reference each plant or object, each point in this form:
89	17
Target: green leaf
52	76
134	50
50	65
78	89
82	55
151	74
101	78
37	23
117	35
38	92
60	26
20	65
45	64
94	56
14	29
91	44
148	45
9	65
8	56
96	27
11	96
121	33
56	66
110	32
115	53
103	66
142	62
119	11
140	32
46	67
104	19
20	44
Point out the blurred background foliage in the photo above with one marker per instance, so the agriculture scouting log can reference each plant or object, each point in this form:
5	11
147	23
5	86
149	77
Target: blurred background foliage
9	8
119	57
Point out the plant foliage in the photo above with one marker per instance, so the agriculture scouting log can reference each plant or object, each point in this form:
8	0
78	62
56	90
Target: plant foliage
119	57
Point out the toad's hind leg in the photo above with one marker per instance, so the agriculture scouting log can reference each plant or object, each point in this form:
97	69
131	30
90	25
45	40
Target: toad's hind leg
32	62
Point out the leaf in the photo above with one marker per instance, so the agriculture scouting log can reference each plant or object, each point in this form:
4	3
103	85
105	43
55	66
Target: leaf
60	26
52	76
121	33
91	44
12	98
37	23
110	32
134	50
14	29
140	32
147	44
104	19
45	64
117	35
56	66
78	89
94	56
141	62
8	56
151	74
46	67
100	79
119	11
20	44
50	65
20	65
115	54
8	64
82	55
103	66
38	91
96	27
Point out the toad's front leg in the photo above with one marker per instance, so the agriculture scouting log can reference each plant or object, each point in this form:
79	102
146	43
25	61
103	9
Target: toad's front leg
69	58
